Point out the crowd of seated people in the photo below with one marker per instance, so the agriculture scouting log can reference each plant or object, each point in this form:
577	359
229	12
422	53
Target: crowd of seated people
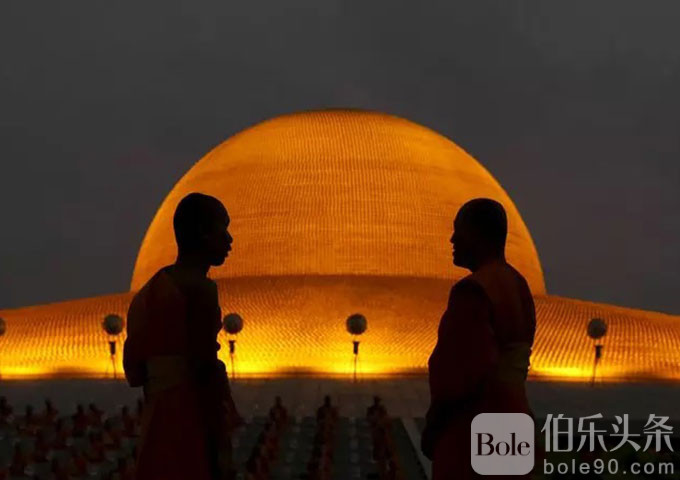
47	446
319	466
87	443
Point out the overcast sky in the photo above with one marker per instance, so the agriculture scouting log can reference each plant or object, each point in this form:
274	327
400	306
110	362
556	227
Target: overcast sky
573	106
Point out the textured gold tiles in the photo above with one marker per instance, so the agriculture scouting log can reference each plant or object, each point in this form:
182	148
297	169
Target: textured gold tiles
338	193
334	213
296	325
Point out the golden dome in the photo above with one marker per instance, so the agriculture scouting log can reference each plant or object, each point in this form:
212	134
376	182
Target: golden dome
334	213
338	193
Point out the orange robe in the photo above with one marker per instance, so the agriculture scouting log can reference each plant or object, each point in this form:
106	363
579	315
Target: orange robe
479	363
171	351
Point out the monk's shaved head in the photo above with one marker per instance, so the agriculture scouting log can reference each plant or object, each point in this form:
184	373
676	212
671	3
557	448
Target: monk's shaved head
487	217
195	215
479	233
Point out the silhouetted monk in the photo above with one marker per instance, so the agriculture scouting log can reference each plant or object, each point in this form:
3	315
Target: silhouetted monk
375	411
484	341
278	412
171	350
326	412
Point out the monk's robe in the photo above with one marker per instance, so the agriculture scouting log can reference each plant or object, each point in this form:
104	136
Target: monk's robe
171	350
479	364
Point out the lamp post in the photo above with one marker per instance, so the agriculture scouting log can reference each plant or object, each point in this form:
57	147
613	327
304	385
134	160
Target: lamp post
597	328
232	324
113	325
356	325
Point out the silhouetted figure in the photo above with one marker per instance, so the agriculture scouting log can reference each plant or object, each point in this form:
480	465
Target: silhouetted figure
50	412
375	411
171	350
278	412
129	422
481	359
5	408
326	412
29	423
94	415
61	434
80	421
111	435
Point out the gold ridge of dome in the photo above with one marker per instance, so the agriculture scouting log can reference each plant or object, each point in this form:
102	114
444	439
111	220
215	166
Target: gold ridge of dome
296	325
338	192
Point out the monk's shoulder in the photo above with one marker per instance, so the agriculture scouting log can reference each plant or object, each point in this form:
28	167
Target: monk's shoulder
159	292
467	289
190	283
157	283
203	290
160	295
490	274
138	297
166	285
210	289
520	278
206	286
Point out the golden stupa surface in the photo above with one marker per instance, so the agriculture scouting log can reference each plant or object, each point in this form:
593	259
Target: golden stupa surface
334	213
338	193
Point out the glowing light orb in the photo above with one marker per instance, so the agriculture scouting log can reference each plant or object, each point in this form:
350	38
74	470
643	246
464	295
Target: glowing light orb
112	324
356	324
232	323
597	328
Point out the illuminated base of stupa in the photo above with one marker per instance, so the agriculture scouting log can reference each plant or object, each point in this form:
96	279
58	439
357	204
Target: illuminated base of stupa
295	325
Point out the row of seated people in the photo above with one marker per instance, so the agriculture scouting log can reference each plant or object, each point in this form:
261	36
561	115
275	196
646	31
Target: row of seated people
319	466
102	439
384	453
68	446
264	453
83	419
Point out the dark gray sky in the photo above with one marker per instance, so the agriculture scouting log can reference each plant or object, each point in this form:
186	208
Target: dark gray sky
573	106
